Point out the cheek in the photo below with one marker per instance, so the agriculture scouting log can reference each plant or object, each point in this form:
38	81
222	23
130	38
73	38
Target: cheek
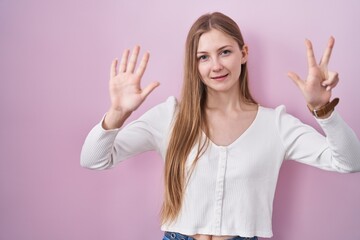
236	68
239	70
233	63
203	70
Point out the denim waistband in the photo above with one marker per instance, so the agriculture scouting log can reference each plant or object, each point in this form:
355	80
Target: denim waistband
179	236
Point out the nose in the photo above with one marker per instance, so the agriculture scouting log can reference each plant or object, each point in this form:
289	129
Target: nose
217	66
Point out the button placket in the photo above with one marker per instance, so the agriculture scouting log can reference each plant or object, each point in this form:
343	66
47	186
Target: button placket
220	179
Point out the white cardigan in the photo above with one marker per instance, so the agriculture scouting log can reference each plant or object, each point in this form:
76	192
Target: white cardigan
232	188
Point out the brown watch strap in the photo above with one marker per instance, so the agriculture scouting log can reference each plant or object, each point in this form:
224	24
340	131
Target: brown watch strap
325	109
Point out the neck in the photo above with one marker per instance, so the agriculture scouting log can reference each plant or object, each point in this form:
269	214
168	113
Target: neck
229	100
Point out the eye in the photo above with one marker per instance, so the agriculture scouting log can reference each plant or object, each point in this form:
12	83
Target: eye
225	52
203	58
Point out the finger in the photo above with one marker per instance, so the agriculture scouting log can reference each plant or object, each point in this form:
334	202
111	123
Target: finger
327	54
113	68
296	79
310	54
333	77
124	60
133	58
332	81
142	67
146	91
332	86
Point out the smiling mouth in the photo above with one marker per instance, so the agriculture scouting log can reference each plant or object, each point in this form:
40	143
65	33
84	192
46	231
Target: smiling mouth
220	77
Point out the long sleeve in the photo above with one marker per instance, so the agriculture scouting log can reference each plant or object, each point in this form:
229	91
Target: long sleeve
338	151
103	149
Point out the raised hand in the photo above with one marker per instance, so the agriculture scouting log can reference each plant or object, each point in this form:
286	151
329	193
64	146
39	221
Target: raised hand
319	82
125	89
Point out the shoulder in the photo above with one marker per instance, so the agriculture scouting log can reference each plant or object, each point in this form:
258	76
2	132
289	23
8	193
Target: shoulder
277	115
273	112
168	106
162	112
171	103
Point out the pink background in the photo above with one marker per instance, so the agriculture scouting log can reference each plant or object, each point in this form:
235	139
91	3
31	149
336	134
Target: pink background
54	66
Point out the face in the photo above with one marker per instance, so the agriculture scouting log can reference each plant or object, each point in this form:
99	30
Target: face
219	61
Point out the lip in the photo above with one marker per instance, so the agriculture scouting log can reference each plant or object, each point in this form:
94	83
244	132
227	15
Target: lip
220	77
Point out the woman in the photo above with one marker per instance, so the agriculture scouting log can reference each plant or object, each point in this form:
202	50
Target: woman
222	150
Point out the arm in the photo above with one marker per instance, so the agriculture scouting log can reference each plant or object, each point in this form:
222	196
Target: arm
340	150
105	148
126	96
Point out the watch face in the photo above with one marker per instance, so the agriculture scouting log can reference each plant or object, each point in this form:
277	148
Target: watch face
316	113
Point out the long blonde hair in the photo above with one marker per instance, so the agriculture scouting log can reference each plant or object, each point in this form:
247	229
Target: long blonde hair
191	119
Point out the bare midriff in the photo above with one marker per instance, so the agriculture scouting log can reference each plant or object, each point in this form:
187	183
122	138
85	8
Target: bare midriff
210	237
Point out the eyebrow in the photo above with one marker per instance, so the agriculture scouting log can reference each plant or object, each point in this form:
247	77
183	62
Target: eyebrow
202	52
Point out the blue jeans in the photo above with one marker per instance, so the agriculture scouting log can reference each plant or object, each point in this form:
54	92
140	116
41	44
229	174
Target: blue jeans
179	236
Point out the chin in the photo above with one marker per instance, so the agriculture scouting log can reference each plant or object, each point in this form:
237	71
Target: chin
222	87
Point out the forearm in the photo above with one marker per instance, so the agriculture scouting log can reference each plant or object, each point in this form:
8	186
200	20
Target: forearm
97	151
343	142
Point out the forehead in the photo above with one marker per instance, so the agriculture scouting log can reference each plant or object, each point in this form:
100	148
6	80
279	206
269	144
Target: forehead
213	40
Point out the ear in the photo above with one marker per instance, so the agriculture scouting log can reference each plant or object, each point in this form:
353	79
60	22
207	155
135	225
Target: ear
245	54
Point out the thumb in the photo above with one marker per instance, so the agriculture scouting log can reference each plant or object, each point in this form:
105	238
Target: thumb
296	79
149	88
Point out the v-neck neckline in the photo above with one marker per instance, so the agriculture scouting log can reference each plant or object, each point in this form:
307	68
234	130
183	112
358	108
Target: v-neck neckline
242	135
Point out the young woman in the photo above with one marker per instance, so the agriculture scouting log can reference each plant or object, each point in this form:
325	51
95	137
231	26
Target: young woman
222	150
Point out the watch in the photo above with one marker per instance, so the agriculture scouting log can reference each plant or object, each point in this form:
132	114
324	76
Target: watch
324	109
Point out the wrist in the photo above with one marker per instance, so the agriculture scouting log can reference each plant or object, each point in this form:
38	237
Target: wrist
325	110
115	119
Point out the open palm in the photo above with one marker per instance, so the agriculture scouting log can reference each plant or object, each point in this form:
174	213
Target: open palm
125	89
